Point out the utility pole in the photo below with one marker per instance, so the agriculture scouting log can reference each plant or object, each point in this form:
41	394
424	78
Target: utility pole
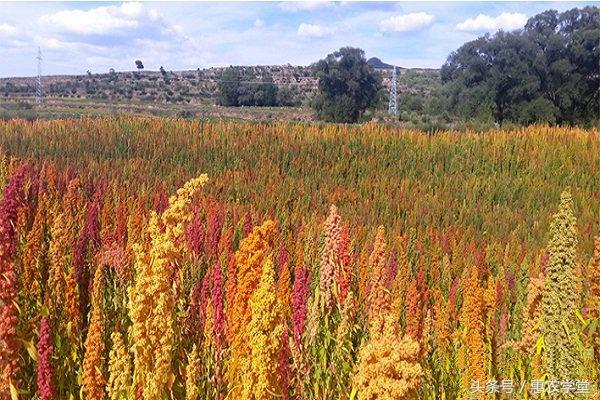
393	106
38	85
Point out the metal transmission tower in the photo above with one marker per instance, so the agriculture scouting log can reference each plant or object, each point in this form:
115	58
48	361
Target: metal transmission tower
38	84
393	106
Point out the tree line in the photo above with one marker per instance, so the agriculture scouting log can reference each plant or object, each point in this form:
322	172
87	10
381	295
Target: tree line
547	72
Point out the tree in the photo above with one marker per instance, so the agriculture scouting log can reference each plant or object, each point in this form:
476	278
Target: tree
140	66
265	94
164	75
546	72
285	97
494	71
228	87
567	61
347	86
235	90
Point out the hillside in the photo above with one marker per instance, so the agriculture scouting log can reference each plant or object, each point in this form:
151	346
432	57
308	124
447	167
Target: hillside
192	87
153	86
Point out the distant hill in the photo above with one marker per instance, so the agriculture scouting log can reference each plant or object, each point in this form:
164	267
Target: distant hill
378	64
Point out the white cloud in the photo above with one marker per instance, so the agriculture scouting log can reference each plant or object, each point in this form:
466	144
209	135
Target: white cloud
12	37
50	43
315	31
114	35
153	15
294	6
131	9
406	22
101	20
7	30
108	28
505	21
259	23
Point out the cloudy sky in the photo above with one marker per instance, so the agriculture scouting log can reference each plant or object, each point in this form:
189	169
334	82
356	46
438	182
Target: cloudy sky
80	36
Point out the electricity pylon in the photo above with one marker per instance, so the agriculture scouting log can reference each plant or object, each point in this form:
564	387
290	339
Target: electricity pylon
38	84
393	106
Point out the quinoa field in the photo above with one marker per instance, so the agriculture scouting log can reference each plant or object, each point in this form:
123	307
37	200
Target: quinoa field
155	258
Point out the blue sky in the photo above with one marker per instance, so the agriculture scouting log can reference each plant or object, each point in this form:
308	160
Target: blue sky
80	36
